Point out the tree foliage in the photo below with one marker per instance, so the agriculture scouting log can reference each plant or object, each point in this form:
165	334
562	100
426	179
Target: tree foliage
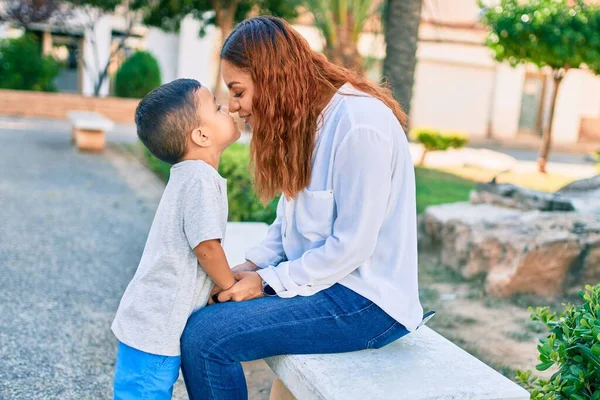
167	14
545	32
22	67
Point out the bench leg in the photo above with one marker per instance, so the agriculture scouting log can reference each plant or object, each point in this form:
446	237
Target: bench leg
87	140
280	392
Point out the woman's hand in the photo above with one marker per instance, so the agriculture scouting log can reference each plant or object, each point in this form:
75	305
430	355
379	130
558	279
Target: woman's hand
246	266
248	287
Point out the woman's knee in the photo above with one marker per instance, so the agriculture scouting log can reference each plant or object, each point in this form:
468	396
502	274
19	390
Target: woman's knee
198	335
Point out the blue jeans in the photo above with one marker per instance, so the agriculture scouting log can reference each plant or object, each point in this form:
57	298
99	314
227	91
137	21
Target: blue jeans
218	337
140	375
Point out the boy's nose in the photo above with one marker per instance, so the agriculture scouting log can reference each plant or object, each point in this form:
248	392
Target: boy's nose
224	109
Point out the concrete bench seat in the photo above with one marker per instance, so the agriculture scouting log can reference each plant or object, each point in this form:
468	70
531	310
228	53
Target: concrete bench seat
420	366
89	129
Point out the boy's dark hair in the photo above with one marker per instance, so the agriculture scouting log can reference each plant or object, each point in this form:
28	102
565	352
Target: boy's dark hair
166	116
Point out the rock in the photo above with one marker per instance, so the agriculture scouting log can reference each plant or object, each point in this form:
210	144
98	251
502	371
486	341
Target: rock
518	251
583	185
584	194
512	196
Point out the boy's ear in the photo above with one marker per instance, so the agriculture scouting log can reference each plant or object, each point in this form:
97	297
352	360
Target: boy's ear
200	138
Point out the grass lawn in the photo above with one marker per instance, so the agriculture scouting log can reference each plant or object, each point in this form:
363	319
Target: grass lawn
530	180
438	187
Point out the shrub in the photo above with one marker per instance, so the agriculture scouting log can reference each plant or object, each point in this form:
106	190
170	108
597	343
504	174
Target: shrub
573	346
243	203
138	75
433	140
22	67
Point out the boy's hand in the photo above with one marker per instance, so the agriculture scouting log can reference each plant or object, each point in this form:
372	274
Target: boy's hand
216	289
248	287
246	266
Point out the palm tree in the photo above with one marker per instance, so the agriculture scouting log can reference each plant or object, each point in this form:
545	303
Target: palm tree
341	22
401	37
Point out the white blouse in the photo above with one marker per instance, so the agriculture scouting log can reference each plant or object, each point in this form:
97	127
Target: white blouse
355	224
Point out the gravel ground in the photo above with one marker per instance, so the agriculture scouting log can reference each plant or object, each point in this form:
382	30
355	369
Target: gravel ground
72	229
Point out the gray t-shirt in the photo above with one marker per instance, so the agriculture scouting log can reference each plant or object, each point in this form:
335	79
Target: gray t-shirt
169	283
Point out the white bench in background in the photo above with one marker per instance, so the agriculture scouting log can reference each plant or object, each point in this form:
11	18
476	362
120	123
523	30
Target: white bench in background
89	129
421	366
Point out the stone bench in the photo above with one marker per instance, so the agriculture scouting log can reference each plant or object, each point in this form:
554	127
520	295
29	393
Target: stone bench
89	129
422	365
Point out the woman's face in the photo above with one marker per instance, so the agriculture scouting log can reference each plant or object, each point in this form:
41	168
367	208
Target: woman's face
241	89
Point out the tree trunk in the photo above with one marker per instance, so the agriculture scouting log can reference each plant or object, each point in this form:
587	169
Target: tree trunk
547	136
401	37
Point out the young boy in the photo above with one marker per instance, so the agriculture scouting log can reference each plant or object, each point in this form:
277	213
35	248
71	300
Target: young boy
181	124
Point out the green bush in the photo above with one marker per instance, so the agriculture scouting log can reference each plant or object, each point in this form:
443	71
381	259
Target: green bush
243	203
138	75
573	346
434	140
22	67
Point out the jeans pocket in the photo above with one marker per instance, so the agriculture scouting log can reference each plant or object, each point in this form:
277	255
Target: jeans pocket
391	334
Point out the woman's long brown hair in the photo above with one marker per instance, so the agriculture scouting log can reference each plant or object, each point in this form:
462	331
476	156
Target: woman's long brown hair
291	83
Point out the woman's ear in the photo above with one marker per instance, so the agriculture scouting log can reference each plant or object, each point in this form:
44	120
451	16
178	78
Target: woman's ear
201	138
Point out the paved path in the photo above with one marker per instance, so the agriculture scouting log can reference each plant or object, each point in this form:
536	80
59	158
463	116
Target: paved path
72	229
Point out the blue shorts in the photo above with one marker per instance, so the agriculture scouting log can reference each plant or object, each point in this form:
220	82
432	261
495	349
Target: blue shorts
140	375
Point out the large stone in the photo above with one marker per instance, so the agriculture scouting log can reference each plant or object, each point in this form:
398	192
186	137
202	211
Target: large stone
518	251
584	194
509	195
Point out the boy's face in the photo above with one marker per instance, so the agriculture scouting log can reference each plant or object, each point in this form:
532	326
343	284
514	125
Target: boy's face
215	120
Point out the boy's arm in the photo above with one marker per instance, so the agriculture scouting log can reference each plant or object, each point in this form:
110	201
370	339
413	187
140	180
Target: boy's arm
202	226
212	258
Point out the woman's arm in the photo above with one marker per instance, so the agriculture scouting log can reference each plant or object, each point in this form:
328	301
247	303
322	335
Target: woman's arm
362	177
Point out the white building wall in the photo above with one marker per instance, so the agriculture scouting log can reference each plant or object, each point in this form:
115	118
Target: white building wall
96	57
453	88
165	48
578	96
567	114
506	104
196	57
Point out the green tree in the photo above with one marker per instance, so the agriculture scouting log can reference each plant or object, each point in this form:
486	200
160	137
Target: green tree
138	75
402	19
167	14
341	22
22	66
559	34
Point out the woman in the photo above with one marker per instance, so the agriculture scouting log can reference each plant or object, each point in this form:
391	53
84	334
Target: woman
340	260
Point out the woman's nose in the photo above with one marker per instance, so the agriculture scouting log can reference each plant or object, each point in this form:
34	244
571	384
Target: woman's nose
234	106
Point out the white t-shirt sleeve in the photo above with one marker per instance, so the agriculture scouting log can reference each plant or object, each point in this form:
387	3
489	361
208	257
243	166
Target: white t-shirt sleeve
361	184
201	215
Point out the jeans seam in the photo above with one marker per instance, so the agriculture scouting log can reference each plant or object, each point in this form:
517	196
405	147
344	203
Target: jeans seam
288	323
381	334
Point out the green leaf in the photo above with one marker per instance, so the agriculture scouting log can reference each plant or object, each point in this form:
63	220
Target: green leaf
544	366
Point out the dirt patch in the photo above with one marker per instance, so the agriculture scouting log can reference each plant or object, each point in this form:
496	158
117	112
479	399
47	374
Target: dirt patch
498	332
